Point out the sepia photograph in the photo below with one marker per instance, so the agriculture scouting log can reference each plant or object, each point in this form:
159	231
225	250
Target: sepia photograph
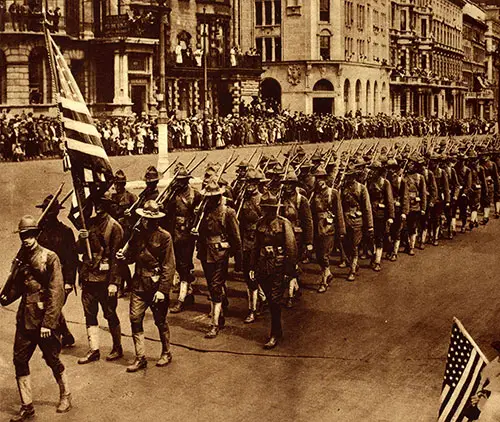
250	210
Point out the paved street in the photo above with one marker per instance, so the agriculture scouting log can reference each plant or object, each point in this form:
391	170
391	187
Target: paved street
372	350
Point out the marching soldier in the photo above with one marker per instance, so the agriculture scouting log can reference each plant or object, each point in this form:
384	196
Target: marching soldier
59	238
100	279
443	198
464	175
239	180
296	209
249	214
153	253
451	212
122	201
382	204
273	260
479	188
401	198
328	217
492	183
357	215
39	282
219	238
417	191
152	177
432	197
180	219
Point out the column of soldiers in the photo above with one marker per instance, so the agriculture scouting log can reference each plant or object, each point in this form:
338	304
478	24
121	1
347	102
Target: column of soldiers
273	219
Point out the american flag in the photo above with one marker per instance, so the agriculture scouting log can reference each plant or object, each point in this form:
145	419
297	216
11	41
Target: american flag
462	374
90	167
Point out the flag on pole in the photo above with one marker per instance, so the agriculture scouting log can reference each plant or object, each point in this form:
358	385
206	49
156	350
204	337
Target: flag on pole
90	167
462	374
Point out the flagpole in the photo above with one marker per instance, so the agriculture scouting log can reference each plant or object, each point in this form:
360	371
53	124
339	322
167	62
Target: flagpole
471	340
55	92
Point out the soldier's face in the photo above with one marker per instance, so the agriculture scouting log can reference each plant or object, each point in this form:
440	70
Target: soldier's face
252	187
321	184
120	187
28	239
289	188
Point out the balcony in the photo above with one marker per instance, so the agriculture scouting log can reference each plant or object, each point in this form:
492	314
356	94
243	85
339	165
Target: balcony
193	62
486	94
144	25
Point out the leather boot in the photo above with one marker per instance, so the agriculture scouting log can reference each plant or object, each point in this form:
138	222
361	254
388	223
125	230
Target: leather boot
140	361
178	307
27	411
93	354
214	328
252	305
166	355
117	350
64	394
272	343
68	340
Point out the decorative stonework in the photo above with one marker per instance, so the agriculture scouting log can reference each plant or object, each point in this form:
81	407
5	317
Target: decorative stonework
294	74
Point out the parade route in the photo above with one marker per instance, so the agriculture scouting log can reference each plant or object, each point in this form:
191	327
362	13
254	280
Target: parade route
372	350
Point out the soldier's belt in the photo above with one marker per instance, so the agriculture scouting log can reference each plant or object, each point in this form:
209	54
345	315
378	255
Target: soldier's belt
325	215
297	229
212	240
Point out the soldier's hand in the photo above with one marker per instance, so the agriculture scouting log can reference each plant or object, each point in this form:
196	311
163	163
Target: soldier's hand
422	212
3	300
390	221
68	288
403	216
45	332
112	289
127	213
83	234
251	275
120	255
309	248
158	297
447	205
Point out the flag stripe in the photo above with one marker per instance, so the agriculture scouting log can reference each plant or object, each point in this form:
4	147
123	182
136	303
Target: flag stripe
82	127
86	148
466	389
74	106
457	390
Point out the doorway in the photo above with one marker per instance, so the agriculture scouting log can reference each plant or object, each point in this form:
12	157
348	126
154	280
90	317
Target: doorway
323	106
138	94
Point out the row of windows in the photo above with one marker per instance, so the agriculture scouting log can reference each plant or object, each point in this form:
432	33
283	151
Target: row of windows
446	35
267	12
269	48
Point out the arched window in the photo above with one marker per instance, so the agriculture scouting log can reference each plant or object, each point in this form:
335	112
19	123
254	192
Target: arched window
368	94
40	82
323	85
347	94
270	90
358	95
3	78
325	44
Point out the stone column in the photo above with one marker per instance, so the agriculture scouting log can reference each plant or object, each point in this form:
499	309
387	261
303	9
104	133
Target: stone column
125	87
409	102
117	78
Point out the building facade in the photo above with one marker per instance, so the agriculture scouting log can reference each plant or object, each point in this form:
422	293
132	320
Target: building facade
479	96
320	56
426	54
112	49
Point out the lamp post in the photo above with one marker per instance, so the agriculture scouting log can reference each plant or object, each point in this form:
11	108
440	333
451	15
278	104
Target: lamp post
162	112
496	63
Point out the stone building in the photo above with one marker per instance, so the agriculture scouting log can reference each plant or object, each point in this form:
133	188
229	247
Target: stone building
492	38
479	95
112	49
322	56
426	52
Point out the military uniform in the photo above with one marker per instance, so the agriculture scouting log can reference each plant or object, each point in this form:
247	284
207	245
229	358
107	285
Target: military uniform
152	251
180	219
328	218
401	198
219	237
97	276
417	191
382	204
358	218
464	176
273	261
39	282
432	198
59	238
443	198
249	214
479	191
492	183
296	209
451	212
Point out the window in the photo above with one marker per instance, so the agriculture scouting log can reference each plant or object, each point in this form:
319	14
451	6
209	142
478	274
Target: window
268	42
361	17
277	49
403	20
424	62
324	47
268	12
258	13
259	46
324	10
424	28
277	12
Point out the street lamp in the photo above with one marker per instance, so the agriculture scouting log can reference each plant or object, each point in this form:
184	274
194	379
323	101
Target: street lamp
496	63
162	112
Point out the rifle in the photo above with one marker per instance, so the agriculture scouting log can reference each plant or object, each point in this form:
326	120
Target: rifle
16	263
130	210
253	155
201	209
280	194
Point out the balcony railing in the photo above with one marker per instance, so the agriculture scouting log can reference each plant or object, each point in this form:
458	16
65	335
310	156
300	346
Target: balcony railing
487	94
215	61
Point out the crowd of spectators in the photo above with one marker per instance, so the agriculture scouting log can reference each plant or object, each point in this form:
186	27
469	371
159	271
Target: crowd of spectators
28	16
26	137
